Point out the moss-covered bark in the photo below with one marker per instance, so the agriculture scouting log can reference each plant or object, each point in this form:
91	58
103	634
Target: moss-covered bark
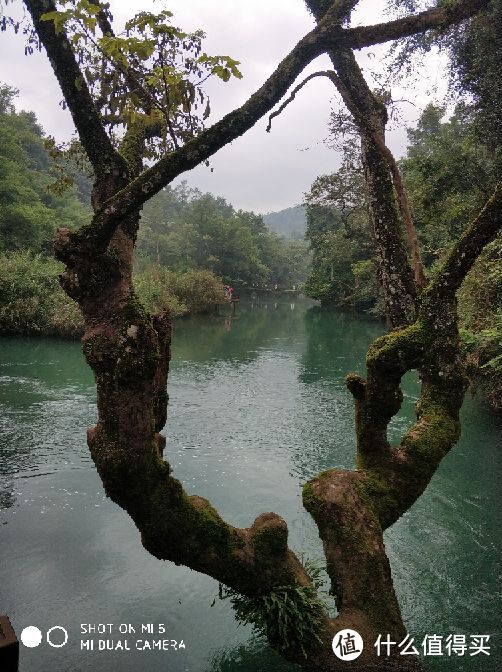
128	351
352	509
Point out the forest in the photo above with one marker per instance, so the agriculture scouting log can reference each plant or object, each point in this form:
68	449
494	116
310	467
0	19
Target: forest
340	419
189	245
184	231
450	167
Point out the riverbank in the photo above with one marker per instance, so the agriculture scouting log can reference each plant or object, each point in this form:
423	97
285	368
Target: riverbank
32	302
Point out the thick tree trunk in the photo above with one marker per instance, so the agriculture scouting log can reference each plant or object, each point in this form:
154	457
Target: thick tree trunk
128	351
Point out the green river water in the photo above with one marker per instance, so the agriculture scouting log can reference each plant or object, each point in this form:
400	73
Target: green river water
258	406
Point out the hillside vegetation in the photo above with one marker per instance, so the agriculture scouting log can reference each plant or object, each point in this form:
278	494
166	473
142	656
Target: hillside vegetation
189	244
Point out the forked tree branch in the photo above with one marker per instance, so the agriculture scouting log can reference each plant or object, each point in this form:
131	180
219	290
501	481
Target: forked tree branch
353	508
129	354
370	115
401	195
327	35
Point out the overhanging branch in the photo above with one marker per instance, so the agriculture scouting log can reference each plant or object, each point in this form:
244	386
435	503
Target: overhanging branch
327	35
438	18
292	96
208	142
468	248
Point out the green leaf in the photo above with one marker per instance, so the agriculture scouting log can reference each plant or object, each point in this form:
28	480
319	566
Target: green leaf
58	18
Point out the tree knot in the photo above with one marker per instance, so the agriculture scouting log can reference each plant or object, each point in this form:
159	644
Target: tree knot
356	386
269	537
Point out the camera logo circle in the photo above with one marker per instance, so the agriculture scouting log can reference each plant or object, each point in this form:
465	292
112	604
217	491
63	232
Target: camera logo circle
347	644
31	637
59	644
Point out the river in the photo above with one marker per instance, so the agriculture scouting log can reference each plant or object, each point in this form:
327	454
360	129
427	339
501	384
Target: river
258	406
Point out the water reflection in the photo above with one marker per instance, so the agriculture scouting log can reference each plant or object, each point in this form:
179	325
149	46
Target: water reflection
258	406
336	345
238	337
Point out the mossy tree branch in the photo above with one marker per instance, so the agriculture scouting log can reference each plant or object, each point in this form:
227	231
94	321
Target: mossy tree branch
438	18
370	116
128	351
379	140
352	509
327	35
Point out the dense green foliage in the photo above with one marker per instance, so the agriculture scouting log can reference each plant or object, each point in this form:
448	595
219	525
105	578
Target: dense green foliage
183	228
31	301
29	212
189	242
449	174
450	170
477	61
169	65
343	269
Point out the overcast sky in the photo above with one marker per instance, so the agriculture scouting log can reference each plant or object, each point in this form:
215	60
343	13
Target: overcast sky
259	171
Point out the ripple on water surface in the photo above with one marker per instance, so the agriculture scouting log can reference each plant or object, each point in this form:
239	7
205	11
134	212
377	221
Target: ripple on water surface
258	406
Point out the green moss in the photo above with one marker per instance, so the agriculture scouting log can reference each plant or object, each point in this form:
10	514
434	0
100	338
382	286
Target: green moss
381	609
134	311
376	492
138	357
400	347
269	542
236	541
312	503
202	521
432	438
323	475
132	148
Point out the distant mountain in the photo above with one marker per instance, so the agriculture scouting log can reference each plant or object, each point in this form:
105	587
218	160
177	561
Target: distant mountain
289	222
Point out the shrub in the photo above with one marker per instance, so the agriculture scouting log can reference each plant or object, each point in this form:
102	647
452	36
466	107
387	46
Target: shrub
32	302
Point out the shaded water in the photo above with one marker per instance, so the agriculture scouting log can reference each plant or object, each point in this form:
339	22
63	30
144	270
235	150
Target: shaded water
258	406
